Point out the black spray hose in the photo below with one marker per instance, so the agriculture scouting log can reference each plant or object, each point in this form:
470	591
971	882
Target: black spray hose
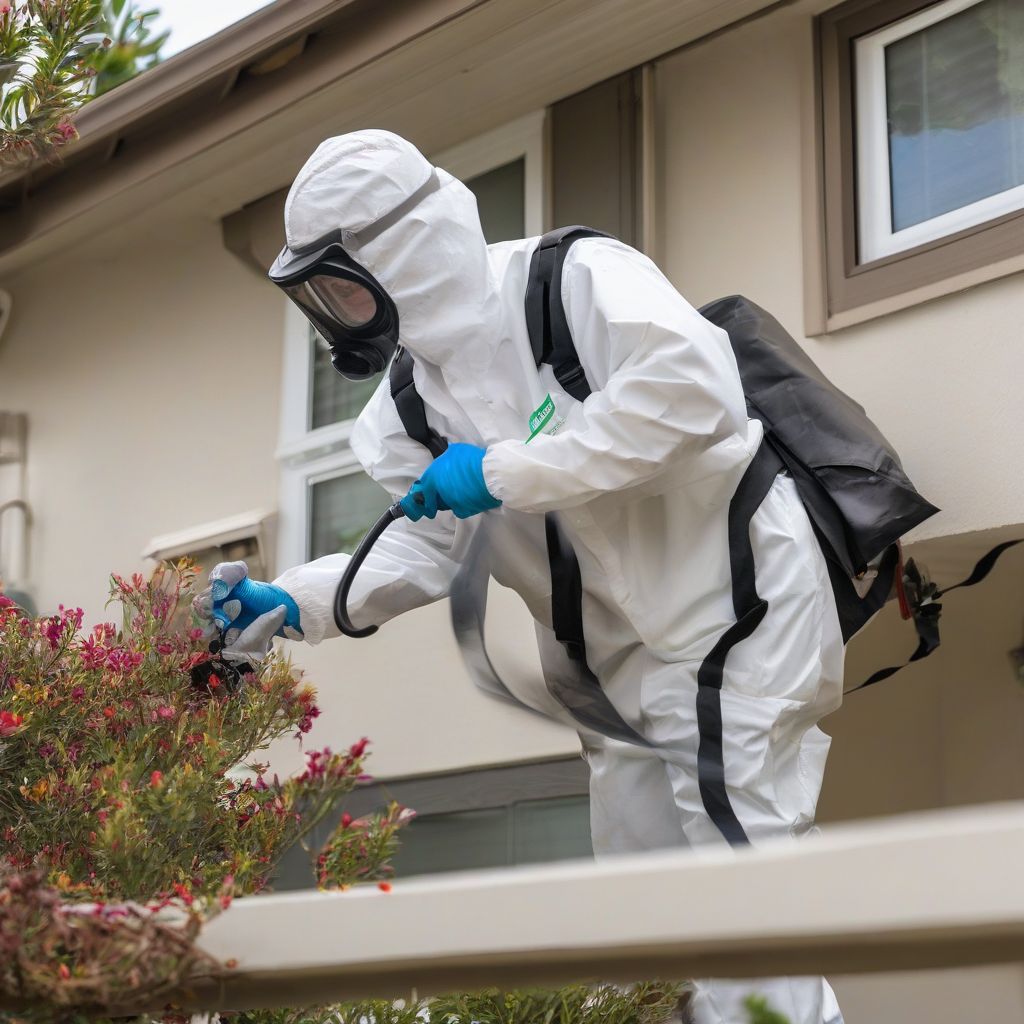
358	557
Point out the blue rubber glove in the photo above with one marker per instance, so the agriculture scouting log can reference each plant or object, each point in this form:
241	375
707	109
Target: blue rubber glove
454	480
248	613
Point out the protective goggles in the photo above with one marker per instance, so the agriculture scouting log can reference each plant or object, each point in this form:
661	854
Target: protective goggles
344	302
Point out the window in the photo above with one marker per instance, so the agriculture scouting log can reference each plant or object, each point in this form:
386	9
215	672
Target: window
487	818
940	123
923	144
327	502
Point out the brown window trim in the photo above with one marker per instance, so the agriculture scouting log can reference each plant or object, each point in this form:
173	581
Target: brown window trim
953	260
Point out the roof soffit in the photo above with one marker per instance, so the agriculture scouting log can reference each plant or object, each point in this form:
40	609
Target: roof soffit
438	71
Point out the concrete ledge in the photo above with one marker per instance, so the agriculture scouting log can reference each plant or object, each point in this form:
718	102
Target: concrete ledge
925	891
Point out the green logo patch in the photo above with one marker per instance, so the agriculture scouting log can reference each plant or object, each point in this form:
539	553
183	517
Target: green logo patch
541	418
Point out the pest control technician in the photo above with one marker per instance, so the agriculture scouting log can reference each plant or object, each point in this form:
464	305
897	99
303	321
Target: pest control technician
385	252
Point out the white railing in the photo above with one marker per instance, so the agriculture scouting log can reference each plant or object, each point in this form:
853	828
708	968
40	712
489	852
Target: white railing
931	890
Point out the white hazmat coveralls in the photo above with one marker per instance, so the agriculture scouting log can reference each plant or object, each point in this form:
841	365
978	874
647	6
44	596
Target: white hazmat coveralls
640	474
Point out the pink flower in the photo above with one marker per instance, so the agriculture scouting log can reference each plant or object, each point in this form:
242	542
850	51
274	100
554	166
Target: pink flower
6	7
358	749
156	780
78	693
166	711
53	630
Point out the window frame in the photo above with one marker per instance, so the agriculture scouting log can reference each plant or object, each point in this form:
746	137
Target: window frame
525	137
874	221
855	291
306	457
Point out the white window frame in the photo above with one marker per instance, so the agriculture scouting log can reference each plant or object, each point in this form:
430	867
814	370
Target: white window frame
874	196
307	457
524	137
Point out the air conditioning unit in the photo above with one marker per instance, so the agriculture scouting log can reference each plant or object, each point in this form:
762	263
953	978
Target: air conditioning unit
247	538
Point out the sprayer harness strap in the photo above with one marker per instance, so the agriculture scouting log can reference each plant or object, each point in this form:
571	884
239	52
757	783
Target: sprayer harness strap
411	410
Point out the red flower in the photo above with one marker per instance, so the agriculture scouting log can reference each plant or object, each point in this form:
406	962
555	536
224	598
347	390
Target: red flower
384	886
10	723
166	711
183	894
64	971
156	780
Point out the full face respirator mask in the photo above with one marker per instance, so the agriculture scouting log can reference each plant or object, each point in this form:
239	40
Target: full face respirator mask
342	300
344	303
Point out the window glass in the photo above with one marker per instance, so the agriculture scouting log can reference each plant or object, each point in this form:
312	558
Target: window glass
333	399
454	842
530	832
552	830
341	510
501	200
525	832
955	100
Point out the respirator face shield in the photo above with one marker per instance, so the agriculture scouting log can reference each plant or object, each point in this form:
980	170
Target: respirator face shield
344	303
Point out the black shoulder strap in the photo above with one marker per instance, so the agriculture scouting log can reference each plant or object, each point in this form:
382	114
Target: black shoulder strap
546	321
411	410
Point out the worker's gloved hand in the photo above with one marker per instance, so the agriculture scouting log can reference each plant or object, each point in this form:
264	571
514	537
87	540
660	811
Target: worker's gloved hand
454	480
249	614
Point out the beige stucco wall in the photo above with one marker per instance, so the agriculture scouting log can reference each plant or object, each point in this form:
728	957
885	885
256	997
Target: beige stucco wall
147	363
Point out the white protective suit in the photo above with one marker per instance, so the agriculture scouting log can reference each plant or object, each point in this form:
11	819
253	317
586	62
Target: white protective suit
641	474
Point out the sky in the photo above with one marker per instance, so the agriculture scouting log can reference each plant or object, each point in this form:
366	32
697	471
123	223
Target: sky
191	21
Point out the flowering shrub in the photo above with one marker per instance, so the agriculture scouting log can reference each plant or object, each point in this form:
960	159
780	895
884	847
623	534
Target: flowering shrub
57	957
361	849
47	53
122	780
